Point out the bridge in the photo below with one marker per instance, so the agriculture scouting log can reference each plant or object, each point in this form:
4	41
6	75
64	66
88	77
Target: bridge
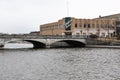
45	41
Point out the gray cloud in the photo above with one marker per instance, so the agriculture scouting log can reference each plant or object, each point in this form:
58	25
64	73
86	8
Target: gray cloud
23	16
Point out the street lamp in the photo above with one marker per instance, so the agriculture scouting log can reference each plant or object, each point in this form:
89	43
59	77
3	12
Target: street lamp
81	32
108	28
98	32
52	32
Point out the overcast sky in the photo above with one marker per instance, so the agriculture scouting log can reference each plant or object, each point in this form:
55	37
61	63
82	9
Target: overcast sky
24	16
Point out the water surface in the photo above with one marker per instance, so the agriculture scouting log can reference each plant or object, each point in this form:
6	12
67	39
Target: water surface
60	64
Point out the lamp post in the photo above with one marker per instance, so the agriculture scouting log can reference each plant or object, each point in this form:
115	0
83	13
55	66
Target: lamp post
81	32
108	28
98	32
52	31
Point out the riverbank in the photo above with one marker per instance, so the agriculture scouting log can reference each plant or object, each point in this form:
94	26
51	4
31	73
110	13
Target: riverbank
102	46
103	43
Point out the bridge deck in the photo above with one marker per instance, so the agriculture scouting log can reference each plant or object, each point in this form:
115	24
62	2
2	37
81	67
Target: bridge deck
44	37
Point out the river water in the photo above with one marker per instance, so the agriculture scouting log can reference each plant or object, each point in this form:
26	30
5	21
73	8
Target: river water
60	64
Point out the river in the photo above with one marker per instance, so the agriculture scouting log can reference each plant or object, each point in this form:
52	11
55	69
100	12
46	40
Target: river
60	64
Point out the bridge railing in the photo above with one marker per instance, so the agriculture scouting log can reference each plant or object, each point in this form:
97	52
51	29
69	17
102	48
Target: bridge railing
43	37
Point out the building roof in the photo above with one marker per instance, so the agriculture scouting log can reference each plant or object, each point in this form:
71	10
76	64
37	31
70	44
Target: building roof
114	16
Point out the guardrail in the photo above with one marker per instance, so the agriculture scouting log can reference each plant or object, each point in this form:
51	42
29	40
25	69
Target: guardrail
43	37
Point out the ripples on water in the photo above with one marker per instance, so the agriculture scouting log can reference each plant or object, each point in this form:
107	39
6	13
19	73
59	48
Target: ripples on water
60	64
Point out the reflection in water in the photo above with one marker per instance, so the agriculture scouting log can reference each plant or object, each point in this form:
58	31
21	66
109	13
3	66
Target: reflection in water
18	45
60	64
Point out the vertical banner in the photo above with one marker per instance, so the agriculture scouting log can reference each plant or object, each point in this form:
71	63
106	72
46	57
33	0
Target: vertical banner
68	23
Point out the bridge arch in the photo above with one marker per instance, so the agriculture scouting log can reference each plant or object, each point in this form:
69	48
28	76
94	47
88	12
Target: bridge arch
36	44
68	43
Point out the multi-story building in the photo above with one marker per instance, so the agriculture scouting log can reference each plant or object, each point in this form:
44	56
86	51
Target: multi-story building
35	33
115	17
74	26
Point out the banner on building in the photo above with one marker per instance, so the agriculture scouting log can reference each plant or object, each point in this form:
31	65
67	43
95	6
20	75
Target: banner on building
68	23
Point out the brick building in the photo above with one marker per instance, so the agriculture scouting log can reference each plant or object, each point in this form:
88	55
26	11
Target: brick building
114	16
74	26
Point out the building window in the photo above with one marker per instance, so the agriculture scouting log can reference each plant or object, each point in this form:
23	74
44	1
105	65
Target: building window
75	25
113	23
97	25
112	27
61	26
102	25
93	25
84	25
88	25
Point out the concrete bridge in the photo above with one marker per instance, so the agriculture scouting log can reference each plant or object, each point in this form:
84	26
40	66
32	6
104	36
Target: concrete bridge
46	41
